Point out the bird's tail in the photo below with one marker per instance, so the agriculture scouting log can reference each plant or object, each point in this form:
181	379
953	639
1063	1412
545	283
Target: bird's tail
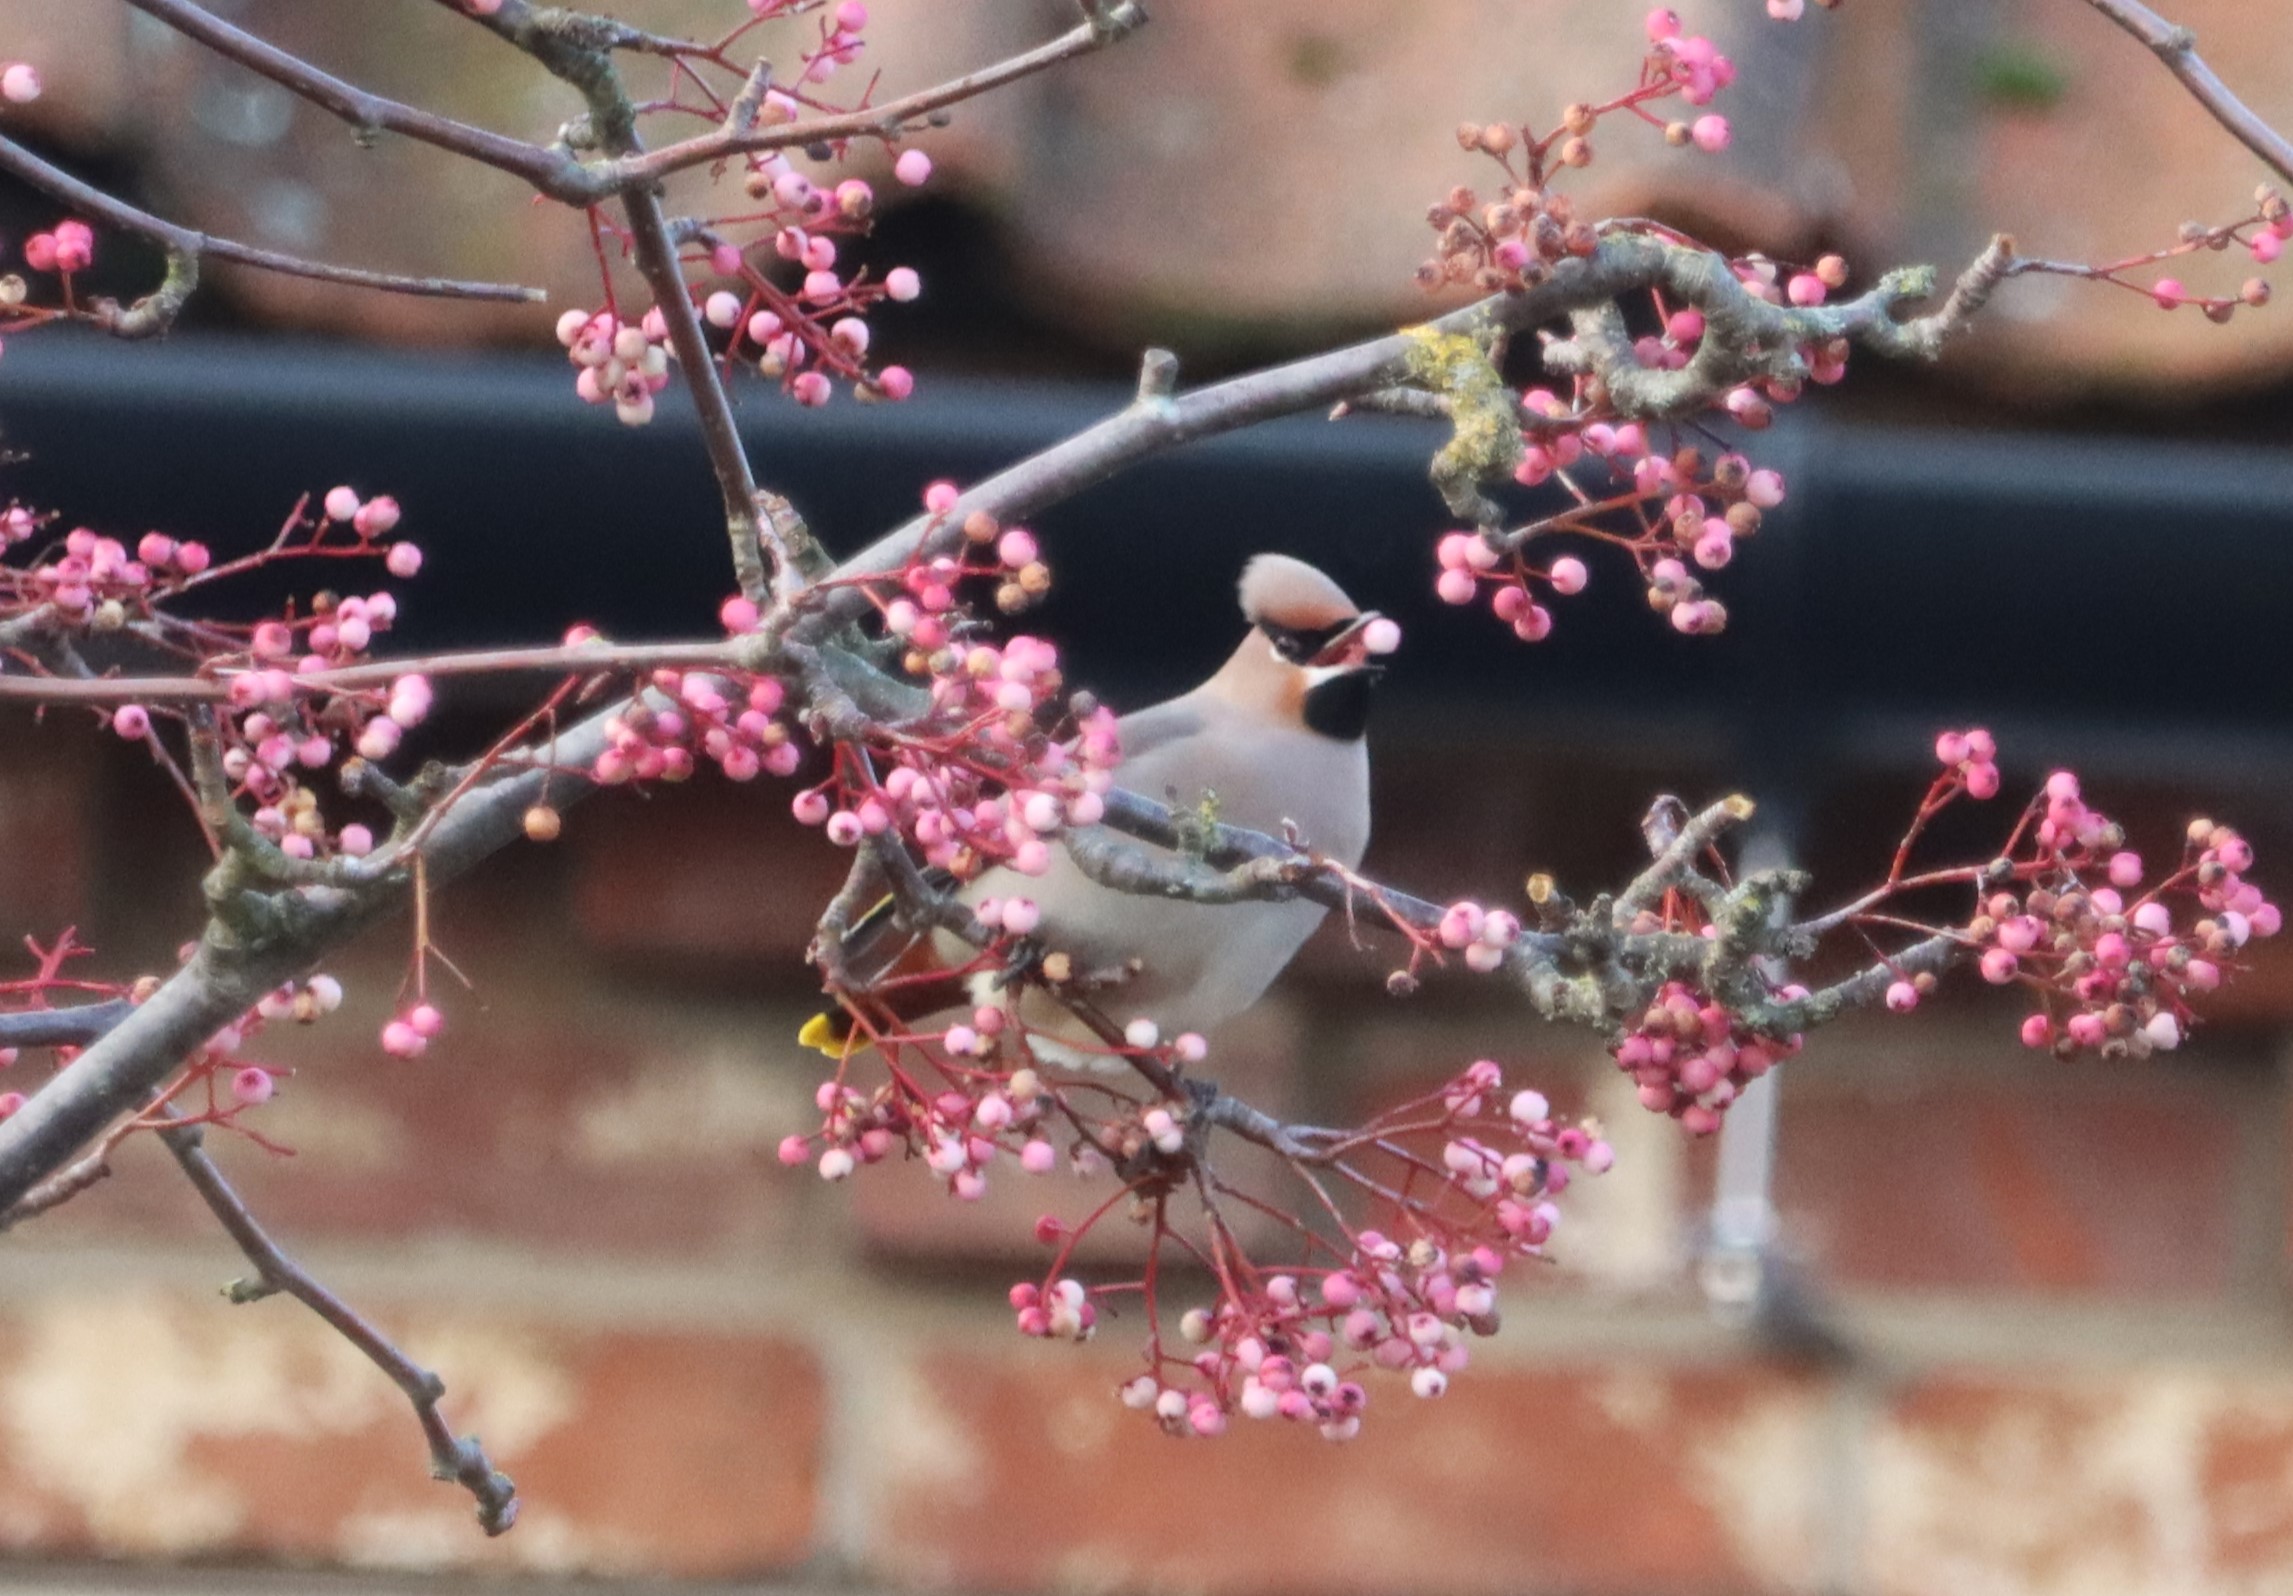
898	968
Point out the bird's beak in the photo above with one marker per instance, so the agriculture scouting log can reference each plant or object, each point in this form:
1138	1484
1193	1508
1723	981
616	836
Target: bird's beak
1346	651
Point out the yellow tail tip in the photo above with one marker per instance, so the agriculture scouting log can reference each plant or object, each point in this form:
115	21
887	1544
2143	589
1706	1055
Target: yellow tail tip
822	1034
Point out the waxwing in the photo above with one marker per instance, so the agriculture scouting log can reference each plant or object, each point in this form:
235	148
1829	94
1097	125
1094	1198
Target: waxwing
1274	738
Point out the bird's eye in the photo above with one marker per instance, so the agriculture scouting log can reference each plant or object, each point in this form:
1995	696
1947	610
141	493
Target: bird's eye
1298	644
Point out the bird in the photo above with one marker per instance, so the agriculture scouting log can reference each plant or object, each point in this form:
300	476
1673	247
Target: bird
1274	739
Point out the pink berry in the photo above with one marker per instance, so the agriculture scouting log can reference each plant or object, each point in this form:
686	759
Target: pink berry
2037	1031
403	560
902	283
131	721
375	517
895	382
1902	997
2169	292
252	1085
1805	288
1568	575
400	1040
20	83
426	1020
1380	636
1711	133
1999	966
913	168
1455	587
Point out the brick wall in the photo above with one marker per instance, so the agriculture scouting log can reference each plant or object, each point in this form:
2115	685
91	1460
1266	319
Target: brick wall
2062	1288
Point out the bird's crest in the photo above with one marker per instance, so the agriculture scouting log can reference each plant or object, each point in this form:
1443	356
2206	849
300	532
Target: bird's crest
1283	594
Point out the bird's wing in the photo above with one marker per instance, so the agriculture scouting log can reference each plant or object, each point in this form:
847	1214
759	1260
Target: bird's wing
1146	731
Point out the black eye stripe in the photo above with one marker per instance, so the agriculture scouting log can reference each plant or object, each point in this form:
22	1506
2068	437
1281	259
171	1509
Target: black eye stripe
1297	644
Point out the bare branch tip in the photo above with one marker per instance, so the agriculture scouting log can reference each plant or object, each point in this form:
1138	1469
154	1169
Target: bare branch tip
1158	376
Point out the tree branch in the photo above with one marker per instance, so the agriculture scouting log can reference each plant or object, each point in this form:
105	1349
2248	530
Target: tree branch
186	246
1745	335
550	171
72	1027
728	457
457	1458
279	935
578	659
264	940
2177	48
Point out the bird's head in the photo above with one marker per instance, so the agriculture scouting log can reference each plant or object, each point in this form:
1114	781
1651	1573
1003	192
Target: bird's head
1323	647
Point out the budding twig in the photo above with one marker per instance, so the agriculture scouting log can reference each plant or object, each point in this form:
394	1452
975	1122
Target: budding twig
1102	27
460	1459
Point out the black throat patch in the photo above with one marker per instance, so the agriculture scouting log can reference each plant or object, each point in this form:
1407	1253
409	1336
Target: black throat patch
1339	707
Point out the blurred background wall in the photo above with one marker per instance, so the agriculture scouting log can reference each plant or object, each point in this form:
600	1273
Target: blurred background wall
2026	1323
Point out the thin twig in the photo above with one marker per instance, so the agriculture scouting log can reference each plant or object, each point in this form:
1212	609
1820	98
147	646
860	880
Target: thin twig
728	456
884	121
1743	333
1680	853
2177	47
460	1459
573	658
547	170
72	1027
189	244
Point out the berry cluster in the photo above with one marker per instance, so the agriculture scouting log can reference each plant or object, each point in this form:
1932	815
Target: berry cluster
619	363
2063	911
88	580
68	247
730	723
1514	240
770	274
2117	972
1673	513
1291	1344
1689	1056
976	779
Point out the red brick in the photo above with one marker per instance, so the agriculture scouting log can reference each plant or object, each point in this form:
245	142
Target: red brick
150	1426
712	873
2084	1179
47	804
2128	1479
1024	1474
